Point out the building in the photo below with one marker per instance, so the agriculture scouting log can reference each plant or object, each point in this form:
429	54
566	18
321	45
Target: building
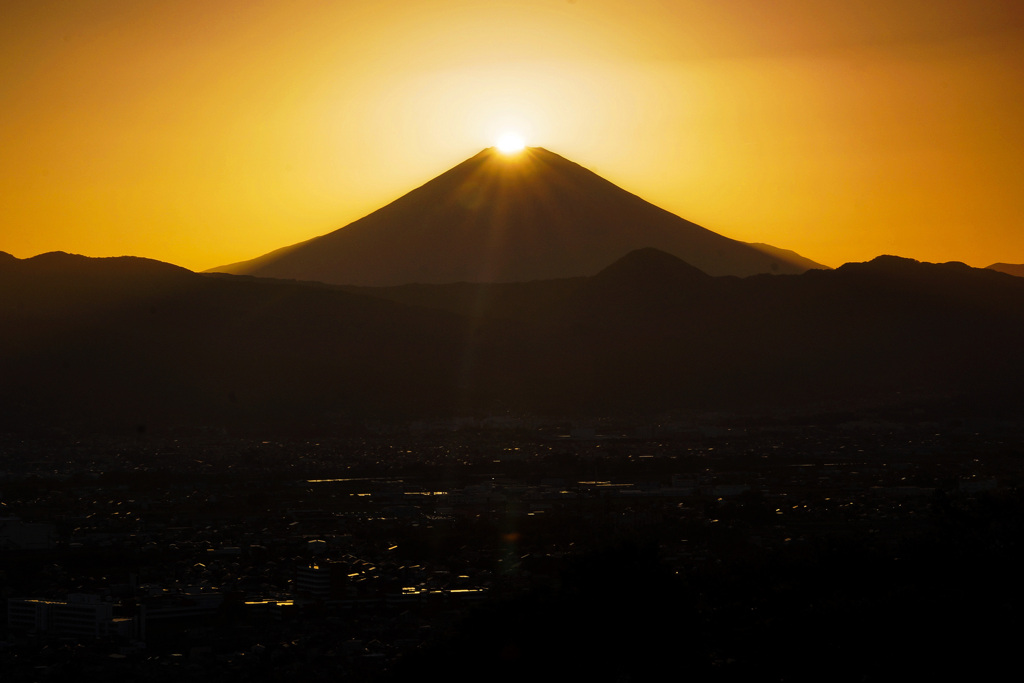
82	615
321	580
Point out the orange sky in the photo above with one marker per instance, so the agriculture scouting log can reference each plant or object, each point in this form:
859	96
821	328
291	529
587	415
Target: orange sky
204	133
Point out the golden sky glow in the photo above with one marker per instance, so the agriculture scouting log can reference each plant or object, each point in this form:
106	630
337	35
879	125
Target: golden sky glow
204	133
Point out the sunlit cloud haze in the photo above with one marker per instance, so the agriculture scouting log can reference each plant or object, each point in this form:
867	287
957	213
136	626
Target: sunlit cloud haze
204	133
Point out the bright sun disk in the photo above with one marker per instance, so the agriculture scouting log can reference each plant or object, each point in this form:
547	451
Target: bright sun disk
510	143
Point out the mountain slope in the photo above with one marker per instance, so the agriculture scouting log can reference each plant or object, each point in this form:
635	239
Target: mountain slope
499	218
1016	269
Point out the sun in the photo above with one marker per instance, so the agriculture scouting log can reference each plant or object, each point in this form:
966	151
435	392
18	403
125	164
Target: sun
510	142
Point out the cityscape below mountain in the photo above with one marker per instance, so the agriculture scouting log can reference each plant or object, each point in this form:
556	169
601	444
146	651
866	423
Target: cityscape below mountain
517	424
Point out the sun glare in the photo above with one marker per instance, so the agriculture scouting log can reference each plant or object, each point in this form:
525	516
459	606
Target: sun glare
510	143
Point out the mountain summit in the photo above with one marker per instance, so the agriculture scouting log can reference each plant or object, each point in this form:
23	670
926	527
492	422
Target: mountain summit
508	218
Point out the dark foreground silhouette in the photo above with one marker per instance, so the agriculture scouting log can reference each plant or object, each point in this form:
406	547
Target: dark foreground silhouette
130	344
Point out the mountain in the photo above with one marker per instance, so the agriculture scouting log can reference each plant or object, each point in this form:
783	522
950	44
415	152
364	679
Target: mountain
1009	268
129	344
509	218
787	255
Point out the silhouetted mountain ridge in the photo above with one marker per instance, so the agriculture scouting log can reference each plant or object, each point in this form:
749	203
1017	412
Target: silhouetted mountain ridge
64	265
650	263
158	347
